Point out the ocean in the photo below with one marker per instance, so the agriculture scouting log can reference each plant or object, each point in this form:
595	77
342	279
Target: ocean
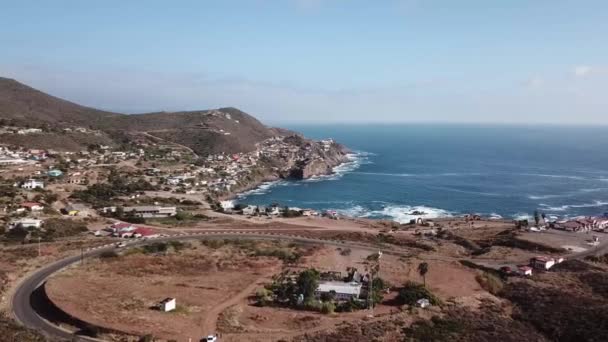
449	170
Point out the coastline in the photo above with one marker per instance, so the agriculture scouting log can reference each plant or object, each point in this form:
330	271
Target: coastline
337	170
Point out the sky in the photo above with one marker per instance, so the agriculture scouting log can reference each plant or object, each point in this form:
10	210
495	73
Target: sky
319	61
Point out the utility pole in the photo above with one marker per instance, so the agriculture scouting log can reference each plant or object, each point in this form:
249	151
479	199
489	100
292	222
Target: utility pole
39	251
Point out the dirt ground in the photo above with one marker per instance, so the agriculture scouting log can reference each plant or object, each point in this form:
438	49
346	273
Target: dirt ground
213	289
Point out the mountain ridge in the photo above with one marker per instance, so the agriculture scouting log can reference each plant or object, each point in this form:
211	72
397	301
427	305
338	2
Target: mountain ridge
227	129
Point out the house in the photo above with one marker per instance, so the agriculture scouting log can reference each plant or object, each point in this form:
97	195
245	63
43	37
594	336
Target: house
55	173
227	205
151	211
275	211
250	210
26	223
107	210
339	289
168	304
32	206
174	180
32	184
309	212
542	262
525	270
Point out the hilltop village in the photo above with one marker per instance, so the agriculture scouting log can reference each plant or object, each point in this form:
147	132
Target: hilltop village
100	177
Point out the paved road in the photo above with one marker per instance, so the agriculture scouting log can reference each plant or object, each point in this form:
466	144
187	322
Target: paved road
25	314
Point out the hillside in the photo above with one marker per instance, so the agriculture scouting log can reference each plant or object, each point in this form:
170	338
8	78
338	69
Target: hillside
26	105
209	131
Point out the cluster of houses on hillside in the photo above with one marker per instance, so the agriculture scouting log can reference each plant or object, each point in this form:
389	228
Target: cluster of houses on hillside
543	263
582	224
222	173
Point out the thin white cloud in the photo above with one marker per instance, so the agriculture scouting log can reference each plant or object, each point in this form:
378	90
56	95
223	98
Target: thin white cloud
582	70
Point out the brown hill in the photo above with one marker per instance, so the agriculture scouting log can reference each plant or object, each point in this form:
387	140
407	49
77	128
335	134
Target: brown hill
26	105
209	131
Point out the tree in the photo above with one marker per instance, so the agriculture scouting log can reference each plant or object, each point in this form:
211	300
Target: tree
423	269
307	283
536	217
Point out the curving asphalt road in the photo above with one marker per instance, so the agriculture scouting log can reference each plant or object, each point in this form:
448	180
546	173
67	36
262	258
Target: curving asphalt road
27	316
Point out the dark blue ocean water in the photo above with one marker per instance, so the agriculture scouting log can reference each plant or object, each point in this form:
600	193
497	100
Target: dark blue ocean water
444	170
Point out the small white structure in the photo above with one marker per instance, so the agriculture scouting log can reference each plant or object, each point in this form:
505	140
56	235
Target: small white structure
168	304
423	303
275	211
32	184
26	223
250	210
227	205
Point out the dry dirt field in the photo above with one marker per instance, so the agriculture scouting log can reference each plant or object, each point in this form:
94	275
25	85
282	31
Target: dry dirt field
213	286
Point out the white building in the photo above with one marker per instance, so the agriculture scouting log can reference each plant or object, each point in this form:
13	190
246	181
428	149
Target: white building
32	184
151	211
168	304
26	223
29	131
250	210
341	290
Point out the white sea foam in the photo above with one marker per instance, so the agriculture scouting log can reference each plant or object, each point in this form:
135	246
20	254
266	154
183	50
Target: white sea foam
355	160
522	216
552	176
565	207
401	214
495	216
261	189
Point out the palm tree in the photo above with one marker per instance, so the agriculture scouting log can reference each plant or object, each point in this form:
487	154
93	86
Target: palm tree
423	268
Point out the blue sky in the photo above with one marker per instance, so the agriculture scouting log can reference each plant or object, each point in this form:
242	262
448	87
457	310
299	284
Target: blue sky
516	61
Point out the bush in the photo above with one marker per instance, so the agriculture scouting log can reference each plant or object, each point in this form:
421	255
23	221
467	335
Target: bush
490	282
108	255
350	306
263	297
157	247
411	292
345	252
327	308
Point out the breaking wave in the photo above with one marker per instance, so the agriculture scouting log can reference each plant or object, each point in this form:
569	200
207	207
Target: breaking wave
355	160
401	214
565	207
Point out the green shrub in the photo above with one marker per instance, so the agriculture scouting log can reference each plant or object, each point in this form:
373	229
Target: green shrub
328	308
411	292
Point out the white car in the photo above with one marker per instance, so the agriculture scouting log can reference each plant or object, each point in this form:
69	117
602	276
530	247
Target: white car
211	338
121	244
